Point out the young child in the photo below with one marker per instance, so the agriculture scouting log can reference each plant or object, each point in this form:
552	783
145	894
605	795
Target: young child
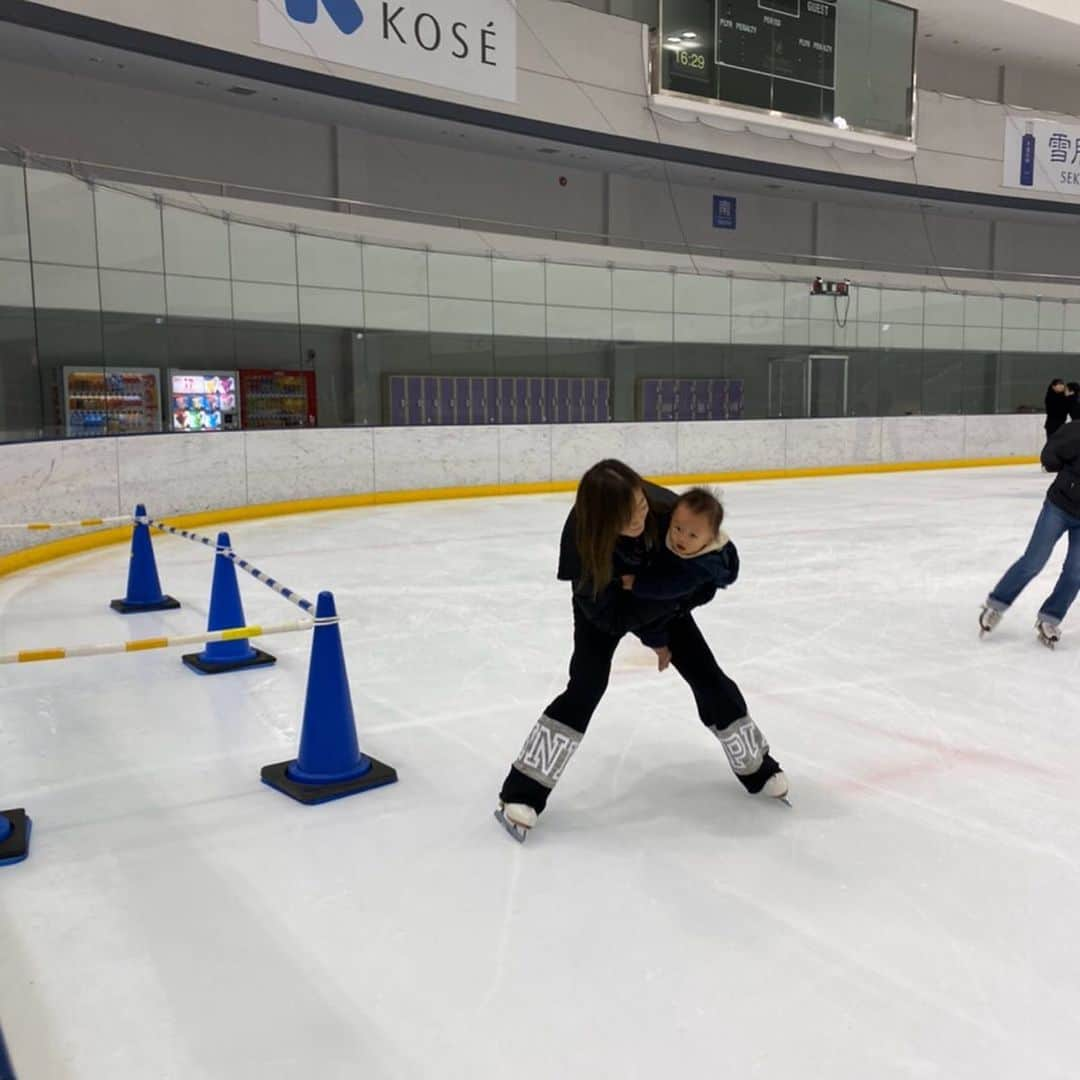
697	555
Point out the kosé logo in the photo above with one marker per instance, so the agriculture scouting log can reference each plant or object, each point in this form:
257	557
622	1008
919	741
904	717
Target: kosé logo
347	16
467	45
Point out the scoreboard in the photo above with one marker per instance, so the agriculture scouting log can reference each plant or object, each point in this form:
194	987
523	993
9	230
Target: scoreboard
772	54
782	39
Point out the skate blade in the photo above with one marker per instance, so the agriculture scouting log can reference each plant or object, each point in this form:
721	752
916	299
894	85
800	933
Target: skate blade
518	832
786	801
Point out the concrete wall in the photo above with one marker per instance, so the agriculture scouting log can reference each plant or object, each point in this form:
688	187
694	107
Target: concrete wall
577	68
94	120
63	481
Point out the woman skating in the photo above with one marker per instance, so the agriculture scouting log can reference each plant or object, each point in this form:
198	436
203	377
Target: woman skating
616	529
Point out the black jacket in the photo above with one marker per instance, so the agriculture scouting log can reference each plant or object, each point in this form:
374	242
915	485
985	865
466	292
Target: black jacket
1061	455
616	610
670	577
1057	410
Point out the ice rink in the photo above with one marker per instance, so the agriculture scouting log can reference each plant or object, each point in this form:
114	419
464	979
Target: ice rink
914	915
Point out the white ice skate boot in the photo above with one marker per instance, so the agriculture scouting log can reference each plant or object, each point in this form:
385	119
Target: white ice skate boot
776	787
1049	633
988	618
517	819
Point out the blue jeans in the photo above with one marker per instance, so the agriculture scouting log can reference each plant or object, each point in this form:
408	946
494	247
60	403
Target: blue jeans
1049	529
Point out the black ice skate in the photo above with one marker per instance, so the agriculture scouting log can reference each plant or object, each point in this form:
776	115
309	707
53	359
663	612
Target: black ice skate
517	819
1049	633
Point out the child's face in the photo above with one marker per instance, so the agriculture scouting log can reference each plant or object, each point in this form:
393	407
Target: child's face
689	532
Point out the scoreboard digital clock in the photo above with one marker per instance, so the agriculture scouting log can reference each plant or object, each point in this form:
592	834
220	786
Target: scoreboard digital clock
782	39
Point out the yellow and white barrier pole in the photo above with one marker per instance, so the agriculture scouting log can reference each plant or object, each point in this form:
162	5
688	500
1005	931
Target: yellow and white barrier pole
33	656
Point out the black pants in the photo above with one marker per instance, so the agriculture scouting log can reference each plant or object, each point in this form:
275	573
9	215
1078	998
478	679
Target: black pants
555	738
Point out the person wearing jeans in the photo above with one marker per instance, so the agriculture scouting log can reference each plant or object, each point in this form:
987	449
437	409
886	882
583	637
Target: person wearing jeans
1060	516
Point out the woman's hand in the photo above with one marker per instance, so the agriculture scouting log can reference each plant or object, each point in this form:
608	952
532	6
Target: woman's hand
663	657
628	581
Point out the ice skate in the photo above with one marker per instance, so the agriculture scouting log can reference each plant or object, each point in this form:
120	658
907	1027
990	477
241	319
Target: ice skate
776	787
1049	633
988	618
517	819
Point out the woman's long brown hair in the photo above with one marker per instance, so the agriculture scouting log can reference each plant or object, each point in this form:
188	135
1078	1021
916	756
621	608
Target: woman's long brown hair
604	507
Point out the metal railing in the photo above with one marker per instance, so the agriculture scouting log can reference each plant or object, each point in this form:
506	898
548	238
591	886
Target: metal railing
101	172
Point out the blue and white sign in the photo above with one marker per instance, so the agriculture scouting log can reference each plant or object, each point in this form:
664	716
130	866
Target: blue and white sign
1042	155
724	212
466	45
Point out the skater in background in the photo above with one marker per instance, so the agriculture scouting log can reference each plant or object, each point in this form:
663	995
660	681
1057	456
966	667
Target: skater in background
1072	392
1057	406
616	530
1060	515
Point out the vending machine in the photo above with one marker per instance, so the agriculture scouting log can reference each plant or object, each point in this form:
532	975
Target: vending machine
112	401
204	401
278	399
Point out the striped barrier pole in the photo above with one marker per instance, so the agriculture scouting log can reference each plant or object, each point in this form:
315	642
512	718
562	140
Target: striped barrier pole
84	523
282	590
32	656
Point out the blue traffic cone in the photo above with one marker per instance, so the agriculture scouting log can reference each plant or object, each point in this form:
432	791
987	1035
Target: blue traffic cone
226	613
14	836
7	1070
329	764
143	588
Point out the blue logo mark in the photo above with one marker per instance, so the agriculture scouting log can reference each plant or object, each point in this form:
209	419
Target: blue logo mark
346	14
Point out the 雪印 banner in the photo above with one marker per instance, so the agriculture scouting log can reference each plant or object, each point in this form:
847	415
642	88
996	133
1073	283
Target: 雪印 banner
467	45
1042	155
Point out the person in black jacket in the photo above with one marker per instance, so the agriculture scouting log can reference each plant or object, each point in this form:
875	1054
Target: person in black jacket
1072	393
613	531
1060	515
1057	406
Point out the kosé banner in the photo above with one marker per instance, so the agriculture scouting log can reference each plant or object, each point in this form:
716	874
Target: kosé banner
1042	155
467	45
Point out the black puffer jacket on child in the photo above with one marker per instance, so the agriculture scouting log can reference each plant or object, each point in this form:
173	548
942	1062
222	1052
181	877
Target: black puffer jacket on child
1061	455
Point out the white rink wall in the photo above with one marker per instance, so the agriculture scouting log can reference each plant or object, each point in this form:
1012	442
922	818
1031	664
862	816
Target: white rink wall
75	478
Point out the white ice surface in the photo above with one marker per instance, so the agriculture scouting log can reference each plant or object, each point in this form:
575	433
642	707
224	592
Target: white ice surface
916	914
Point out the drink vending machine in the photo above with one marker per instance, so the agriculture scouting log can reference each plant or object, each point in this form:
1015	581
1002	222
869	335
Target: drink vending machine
278	399
111	401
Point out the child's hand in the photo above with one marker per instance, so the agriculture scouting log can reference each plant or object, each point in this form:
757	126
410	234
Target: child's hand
628	581
663	657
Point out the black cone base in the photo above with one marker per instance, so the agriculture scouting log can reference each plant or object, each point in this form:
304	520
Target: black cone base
17	846
166	603
310	794
197	664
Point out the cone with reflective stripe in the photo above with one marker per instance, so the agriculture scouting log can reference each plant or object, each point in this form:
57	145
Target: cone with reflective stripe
226	613
329	764
143	587
14	836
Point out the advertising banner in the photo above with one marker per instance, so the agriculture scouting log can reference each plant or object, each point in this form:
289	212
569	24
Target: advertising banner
1042	155
466	45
